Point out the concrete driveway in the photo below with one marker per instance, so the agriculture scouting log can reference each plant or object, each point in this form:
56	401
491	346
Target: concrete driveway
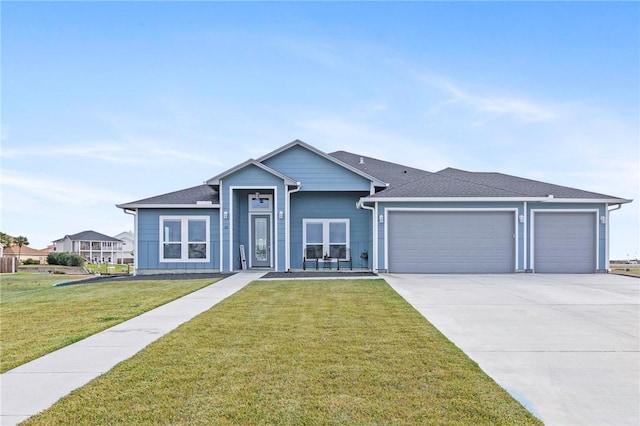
565	346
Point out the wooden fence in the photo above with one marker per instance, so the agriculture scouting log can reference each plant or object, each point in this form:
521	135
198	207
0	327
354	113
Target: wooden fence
8	264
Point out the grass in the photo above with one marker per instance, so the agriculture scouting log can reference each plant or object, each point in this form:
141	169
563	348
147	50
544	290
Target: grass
37	318
626	269
112	268
338	352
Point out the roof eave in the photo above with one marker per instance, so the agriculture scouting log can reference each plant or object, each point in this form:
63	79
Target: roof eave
498	199
251	162
167	206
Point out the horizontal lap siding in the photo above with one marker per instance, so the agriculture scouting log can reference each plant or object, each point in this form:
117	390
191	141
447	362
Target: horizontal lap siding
148	250
315	172
330	205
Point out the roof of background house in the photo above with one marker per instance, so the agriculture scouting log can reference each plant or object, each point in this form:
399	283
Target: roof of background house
88	236
124	235
183	197
26	251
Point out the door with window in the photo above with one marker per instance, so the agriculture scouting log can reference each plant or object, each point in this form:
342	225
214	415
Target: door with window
260	241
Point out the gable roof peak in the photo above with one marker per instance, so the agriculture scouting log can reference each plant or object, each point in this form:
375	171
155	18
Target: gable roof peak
376	181
251	162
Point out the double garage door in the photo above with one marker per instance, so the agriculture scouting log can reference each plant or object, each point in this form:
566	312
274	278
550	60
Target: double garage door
451	242
484	242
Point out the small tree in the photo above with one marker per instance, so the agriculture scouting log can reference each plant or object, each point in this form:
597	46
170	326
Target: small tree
20	241
5	241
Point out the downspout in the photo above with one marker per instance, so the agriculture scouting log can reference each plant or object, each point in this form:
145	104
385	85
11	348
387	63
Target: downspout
134	213
287	223
525	240
374	259
606	251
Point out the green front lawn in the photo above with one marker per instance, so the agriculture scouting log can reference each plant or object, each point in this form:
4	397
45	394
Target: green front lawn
37	318
111	268
345	352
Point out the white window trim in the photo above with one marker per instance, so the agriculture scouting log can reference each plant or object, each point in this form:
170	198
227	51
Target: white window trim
325	232
258	211
184	254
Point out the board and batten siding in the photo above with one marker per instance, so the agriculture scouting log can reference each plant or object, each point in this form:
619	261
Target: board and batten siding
148	250
331	205
315	172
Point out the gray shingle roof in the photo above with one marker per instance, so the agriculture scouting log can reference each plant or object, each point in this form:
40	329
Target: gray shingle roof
522	186
405	182
182	197
437	186
90	236
455	183
392	173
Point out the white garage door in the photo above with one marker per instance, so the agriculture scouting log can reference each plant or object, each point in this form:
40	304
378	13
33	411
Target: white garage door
451	242
564	242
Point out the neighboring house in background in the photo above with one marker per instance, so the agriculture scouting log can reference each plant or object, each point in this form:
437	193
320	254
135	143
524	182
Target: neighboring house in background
28	253
92	246
127	239
298	204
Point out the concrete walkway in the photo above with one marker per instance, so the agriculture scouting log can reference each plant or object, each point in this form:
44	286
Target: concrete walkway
35	386
566	346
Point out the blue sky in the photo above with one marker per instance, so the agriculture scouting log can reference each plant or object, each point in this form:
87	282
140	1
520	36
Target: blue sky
105	103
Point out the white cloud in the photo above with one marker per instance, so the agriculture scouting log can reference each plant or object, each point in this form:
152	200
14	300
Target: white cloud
487	107
20	188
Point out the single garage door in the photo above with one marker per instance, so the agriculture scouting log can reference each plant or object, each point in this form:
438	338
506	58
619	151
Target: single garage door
451	242
564	242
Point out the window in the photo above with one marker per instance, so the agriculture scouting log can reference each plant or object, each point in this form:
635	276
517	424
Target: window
184	239
259	202
326	237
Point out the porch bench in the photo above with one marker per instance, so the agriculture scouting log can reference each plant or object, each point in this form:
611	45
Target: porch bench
344	256
313	255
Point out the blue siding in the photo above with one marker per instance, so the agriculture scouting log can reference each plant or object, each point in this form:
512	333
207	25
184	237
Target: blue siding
148	250
315	172
249	180
331	205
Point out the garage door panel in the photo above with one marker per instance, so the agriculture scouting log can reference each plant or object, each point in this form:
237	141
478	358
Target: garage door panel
565	242
451	242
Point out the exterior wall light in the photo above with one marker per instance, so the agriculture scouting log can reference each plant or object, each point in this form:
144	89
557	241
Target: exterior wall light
521	218
225	215
603	219
280	214
381	218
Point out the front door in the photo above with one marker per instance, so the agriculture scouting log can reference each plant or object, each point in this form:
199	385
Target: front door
260	241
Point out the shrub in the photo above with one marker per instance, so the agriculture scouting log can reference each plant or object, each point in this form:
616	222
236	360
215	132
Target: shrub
31	262
65	259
